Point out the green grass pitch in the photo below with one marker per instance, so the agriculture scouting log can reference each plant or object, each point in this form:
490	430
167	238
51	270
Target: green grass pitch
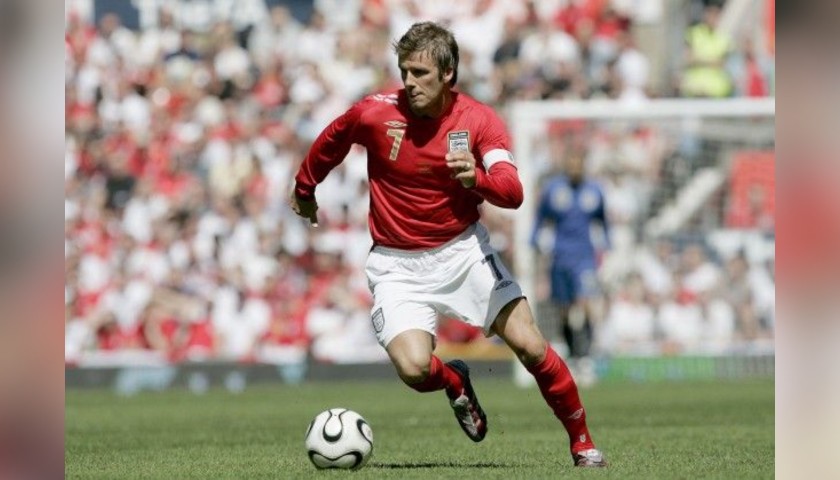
658	430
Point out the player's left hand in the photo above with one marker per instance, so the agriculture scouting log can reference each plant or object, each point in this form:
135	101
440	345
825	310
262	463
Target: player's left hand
462	165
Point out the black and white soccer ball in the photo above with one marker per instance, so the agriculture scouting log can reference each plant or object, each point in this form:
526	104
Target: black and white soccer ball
339	438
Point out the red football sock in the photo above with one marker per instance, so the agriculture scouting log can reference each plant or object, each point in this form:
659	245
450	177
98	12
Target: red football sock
560	392
441	376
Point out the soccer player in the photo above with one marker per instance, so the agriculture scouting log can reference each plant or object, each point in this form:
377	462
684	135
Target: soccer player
572	203
434	155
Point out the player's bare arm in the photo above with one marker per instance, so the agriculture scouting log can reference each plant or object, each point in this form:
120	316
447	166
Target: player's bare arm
305	208
462	164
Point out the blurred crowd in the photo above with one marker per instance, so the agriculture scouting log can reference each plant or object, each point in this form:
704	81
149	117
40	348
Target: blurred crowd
180	146
677	300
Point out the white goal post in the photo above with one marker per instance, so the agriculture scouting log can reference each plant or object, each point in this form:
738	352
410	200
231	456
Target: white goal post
722	131
527	120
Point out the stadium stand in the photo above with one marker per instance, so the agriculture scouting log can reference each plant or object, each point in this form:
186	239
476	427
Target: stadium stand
180	143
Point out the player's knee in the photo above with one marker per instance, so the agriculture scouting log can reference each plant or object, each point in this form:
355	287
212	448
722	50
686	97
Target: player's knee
413	371
530	351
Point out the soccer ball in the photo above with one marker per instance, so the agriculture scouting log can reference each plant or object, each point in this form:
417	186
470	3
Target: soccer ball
339	438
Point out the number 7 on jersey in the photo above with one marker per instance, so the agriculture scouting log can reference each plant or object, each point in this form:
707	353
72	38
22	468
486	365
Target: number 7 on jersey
398	137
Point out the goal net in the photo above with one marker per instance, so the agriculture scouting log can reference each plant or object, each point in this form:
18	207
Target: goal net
689	192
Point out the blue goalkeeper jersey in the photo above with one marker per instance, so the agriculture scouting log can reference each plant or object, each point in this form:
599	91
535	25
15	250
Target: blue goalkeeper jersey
571	209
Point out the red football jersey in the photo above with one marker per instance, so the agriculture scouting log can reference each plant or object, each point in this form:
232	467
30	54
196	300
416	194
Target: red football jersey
414	202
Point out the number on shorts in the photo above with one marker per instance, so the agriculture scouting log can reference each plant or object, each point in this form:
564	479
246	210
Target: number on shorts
398	137
491	259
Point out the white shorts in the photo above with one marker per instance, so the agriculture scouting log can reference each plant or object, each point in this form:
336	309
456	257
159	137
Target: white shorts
463	279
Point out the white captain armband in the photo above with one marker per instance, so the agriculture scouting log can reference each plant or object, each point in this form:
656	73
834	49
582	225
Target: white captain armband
495	156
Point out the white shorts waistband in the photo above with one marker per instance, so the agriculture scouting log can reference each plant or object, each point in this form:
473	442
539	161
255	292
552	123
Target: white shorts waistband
398	252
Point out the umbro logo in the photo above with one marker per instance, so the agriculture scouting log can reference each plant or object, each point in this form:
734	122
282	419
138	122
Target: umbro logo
502	285
396	124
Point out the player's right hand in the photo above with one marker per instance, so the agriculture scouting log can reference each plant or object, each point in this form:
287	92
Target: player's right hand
304	208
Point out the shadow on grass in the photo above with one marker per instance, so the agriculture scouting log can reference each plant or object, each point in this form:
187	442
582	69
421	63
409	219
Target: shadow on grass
437	465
